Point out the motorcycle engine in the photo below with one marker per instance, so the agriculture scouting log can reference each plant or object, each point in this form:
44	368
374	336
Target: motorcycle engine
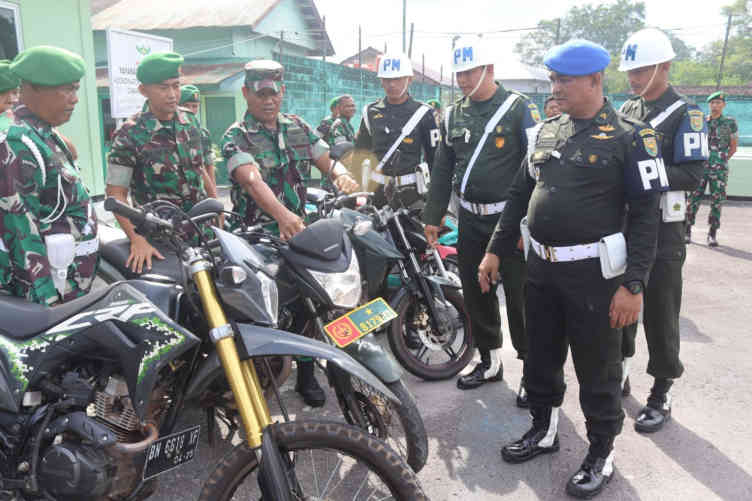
71	470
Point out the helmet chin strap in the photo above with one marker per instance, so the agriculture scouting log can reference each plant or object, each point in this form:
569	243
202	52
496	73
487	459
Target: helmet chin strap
480	81
650	82
407	84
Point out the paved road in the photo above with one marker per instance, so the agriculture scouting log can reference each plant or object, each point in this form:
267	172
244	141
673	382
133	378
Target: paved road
702	454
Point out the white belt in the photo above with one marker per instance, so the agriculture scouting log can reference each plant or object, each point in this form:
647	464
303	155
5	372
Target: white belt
87	247
483	209
570	253
405	180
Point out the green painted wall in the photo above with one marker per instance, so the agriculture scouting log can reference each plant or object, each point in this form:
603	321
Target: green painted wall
66	23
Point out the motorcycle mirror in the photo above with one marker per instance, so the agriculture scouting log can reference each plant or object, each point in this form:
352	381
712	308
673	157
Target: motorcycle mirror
340	150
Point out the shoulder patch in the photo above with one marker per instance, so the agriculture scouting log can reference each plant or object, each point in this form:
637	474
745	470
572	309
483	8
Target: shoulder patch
696	120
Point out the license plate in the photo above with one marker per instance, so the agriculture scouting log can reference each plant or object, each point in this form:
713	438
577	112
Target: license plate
359	322
171	451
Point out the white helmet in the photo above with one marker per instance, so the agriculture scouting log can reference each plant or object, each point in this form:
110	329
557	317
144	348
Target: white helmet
395	66
646	48
469	53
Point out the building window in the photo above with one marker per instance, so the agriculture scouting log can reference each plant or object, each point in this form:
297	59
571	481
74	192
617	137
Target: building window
10	31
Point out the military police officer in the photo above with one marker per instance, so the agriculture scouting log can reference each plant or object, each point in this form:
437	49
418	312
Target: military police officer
266	153
394	131
583	167
680	127
190	98
485	137
723	138
45	208
157	154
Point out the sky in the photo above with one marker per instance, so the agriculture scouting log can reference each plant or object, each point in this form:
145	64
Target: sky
699	23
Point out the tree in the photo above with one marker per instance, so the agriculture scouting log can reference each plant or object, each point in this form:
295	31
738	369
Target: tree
608	25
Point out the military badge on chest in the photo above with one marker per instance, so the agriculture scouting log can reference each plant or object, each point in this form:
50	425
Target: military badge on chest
649	141
499	141
696	120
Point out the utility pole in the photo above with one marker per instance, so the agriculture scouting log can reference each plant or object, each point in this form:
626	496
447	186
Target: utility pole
404	23
359	47
723	54
323	38
558	30
410	49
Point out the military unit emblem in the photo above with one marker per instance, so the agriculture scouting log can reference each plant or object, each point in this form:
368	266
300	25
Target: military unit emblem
696	120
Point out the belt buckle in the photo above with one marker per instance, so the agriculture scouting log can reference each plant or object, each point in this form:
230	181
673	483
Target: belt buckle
550	253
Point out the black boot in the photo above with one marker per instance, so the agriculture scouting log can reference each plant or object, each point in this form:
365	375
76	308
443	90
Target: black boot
541	438
592	476
712	241
653	416
522	401
484	372
626	387
307	385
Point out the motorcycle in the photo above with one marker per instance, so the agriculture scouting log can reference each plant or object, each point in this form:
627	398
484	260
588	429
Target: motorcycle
280	461
361	404
431	335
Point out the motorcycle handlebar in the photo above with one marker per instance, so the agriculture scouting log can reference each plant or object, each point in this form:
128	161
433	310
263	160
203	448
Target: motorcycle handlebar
135	216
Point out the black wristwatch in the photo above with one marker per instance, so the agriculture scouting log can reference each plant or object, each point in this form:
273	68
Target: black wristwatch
634	286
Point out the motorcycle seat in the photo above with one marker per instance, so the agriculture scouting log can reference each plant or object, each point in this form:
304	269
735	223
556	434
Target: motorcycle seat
116	253
23	319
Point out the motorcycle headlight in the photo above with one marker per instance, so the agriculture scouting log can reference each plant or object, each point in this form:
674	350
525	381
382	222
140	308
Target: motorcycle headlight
271	295
344	288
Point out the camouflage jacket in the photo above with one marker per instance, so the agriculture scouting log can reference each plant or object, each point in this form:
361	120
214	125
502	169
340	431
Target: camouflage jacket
41	193
160	160
721	131
281	155
325	126
341	131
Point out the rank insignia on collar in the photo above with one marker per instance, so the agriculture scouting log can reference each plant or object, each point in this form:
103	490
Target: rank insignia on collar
696	120
606	128
593	158
408	140
651	145
499	142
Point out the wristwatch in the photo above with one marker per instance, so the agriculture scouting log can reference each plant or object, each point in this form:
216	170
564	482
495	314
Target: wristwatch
634	286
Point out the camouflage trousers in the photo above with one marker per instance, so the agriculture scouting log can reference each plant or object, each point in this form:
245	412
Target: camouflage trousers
715	180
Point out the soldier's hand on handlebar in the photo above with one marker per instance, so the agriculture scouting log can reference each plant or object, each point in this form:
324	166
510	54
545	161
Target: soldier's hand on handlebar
432	234
346	184
141	252
488	271
290	224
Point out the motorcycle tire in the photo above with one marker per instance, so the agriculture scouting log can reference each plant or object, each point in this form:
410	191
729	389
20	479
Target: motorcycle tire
234	478
412	359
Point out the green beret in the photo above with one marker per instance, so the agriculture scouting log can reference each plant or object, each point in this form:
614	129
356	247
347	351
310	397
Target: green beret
47	65
434	102
8	81
717	95
264	73
158	67
334	102
189	94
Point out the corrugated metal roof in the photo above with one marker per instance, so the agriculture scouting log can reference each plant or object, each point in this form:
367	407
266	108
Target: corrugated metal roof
195	74
167	15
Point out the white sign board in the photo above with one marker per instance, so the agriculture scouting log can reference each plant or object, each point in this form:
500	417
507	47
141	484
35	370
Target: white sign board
125	50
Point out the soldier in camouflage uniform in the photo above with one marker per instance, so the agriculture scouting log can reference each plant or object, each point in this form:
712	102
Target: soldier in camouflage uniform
190	99
327	121
41	191
8	92
267	152
723	138
158	153
341	129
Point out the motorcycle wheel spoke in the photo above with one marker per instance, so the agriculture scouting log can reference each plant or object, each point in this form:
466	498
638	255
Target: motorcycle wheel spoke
450	351
422	352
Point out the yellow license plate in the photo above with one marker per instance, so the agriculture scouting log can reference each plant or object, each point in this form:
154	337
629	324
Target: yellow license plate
359	322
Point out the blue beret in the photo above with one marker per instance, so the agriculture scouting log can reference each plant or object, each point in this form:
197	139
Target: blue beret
577	57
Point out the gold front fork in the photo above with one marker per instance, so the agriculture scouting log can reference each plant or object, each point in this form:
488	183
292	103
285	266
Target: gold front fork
244	382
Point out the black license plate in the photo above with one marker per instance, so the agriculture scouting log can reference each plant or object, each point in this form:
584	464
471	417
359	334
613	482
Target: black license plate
171	451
